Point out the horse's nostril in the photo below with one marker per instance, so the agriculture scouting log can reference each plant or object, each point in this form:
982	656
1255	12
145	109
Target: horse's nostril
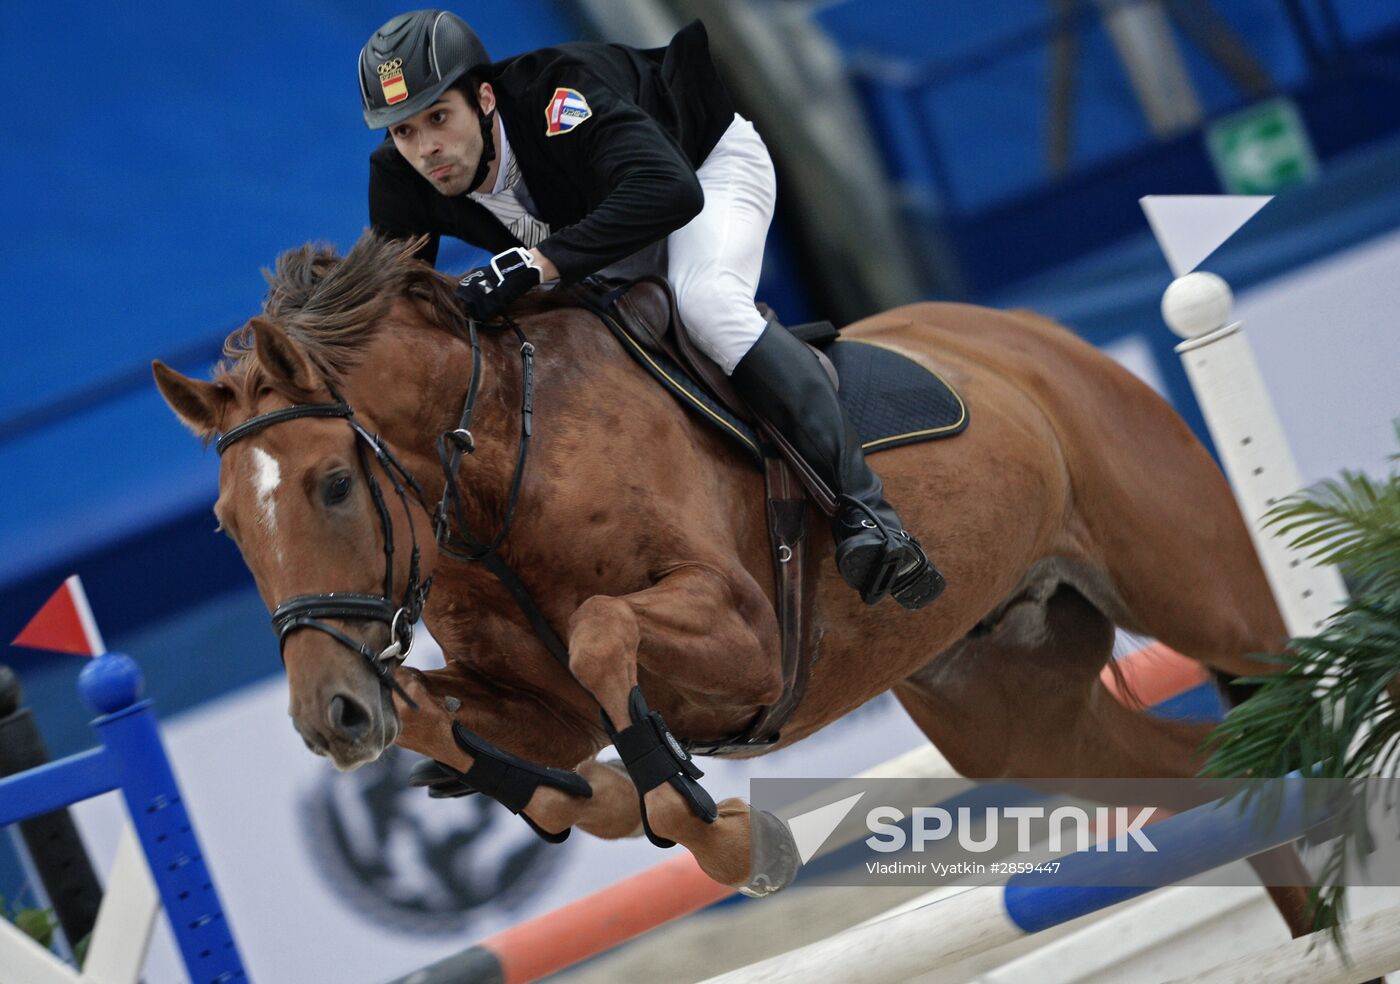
348	717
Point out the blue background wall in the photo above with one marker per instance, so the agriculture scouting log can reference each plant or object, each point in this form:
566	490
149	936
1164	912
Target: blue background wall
171	155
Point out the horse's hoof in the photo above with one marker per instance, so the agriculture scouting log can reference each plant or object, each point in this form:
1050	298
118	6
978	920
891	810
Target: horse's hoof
773	857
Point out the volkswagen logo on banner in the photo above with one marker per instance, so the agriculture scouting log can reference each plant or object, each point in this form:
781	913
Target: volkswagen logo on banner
414	864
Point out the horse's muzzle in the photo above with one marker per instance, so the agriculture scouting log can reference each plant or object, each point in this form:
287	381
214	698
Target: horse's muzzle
350	729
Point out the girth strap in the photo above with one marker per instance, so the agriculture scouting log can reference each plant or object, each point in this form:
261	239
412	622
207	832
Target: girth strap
787	531
787	527
785	474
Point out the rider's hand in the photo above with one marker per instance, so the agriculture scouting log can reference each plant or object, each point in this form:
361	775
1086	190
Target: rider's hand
487	291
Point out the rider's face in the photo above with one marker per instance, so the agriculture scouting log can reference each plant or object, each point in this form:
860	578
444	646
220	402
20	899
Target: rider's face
443	142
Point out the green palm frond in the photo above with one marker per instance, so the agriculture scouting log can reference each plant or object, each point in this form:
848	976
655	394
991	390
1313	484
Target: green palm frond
1350	522
1332	708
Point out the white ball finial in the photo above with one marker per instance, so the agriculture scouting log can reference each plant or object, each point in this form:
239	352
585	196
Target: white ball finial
1197	303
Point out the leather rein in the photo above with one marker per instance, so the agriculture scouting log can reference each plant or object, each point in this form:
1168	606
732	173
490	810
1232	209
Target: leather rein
306	611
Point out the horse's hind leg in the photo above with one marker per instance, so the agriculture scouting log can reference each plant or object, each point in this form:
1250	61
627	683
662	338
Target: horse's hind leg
1026	701
1013	705
1185	572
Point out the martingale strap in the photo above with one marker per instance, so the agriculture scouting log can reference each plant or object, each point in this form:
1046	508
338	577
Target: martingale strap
460	543
650	752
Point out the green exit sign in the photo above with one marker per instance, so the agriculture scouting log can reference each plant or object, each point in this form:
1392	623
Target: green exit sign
1262	150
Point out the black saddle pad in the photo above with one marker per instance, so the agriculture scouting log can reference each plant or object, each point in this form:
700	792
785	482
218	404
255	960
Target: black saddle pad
892	399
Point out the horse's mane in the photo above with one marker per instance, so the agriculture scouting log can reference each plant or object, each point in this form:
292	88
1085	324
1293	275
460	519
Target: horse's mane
333	305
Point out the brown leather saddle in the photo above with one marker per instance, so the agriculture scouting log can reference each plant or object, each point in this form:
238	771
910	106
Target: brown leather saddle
647	310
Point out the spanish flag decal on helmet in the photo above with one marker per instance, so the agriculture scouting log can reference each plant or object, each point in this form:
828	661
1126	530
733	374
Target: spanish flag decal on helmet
567	109
391	79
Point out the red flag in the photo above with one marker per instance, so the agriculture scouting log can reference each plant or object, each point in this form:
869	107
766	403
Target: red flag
65	624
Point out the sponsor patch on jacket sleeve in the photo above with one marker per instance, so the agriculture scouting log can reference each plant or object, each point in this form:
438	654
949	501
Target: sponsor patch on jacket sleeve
566	109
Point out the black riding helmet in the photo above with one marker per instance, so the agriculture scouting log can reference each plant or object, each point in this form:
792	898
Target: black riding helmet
410	61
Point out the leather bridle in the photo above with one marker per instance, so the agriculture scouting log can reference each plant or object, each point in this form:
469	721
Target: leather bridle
306	611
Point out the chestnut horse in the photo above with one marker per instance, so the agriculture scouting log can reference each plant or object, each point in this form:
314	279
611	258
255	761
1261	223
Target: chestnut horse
1076	502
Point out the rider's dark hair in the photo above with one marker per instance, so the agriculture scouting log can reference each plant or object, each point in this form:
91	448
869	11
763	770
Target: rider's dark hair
468	86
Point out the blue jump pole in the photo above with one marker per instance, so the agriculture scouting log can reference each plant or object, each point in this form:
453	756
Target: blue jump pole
1188	844
133	759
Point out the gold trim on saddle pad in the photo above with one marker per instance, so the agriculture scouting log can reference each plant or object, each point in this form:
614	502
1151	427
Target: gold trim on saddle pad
930	432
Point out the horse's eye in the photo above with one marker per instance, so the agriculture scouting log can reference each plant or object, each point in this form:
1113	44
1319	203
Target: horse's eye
337	489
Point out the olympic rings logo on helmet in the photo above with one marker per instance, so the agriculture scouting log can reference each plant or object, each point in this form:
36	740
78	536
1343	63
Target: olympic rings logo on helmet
411	60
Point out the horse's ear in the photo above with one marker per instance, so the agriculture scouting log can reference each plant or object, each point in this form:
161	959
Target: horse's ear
281	357
198	404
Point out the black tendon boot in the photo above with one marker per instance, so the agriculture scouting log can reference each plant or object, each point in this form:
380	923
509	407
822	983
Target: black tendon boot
783	381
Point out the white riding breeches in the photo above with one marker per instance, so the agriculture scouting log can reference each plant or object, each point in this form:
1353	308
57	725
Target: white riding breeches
714	261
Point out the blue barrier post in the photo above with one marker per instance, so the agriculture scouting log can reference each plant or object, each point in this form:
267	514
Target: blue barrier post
132	758
60	863
113	684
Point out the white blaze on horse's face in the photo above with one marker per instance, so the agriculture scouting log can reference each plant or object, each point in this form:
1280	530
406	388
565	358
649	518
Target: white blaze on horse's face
266	480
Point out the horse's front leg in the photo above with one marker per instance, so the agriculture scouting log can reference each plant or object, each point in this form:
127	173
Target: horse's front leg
702	631
598	798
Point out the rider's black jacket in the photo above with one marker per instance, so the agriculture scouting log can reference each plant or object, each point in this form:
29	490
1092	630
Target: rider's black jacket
616	182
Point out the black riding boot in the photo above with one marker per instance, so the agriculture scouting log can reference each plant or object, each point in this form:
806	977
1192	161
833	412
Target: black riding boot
783	381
